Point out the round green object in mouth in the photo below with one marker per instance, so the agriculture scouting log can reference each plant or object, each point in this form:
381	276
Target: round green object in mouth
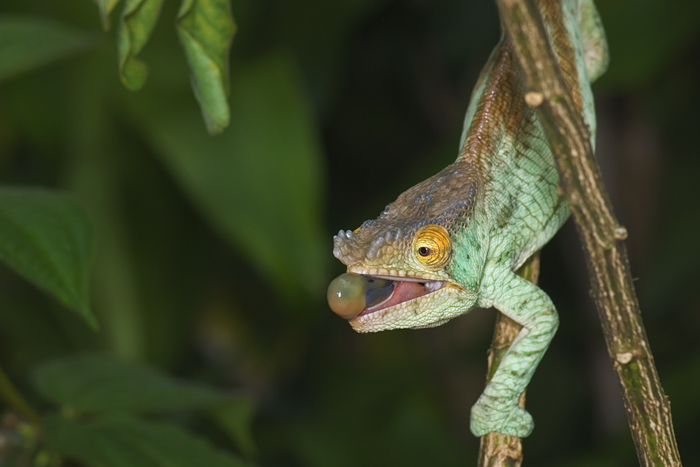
349	294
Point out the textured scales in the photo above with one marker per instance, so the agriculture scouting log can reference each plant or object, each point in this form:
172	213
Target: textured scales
497	204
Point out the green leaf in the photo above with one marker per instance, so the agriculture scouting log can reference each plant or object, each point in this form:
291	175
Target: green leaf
106	7
95	383
137	22
129	442
206	29
46	238
28	42
260	182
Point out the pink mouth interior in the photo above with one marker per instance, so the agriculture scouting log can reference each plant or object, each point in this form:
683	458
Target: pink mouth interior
403	292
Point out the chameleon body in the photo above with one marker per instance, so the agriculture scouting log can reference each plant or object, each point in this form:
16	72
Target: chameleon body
453	242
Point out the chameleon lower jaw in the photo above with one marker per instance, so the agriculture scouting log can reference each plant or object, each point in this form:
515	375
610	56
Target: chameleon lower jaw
353	295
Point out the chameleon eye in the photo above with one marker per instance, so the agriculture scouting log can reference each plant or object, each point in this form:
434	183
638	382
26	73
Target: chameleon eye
432	246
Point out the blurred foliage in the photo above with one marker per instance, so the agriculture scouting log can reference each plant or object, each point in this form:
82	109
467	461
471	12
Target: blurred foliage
45	237
210	255
206	28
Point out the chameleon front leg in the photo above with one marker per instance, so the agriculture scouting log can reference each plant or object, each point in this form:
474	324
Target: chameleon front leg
497	408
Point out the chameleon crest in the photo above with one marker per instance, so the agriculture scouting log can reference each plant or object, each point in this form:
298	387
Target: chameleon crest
387	245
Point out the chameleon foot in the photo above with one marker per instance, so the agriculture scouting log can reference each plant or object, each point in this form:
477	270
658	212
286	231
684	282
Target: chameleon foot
501	418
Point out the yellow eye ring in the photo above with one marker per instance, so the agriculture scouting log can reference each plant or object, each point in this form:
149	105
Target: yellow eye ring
432	246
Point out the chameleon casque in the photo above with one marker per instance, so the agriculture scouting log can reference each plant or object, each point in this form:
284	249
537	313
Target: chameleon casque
453	242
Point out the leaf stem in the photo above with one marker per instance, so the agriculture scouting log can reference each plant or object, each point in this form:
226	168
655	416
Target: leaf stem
15	400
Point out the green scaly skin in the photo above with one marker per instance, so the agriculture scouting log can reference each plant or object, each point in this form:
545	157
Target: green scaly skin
498	205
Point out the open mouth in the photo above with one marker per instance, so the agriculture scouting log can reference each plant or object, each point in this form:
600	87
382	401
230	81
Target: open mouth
353	295
395	292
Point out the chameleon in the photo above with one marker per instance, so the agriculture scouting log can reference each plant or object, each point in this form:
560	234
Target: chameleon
453	242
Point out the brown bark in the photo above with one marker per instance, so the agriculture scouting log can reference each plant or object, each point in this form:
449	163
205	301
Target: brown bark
648	409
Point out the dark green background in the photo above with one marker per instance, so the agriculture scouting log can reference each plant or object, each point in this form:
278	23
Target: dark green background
212	254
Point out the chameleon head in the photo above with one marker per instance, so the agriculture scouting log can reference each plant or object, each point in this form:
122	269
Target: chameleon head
402	271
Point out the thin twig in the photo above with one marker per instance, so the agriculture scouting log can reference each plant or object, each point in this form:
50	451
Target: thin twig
497	449
15	400
648	409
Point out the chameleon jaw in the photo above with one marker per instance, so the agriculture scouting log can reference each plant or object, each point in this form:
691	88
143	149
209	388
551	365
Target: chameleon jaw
376	302
355	295
404	290
427	310
392	274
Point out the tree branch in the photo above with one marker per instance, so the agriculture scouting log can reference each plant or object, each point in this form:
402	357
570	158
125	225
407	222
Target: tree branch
648	409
